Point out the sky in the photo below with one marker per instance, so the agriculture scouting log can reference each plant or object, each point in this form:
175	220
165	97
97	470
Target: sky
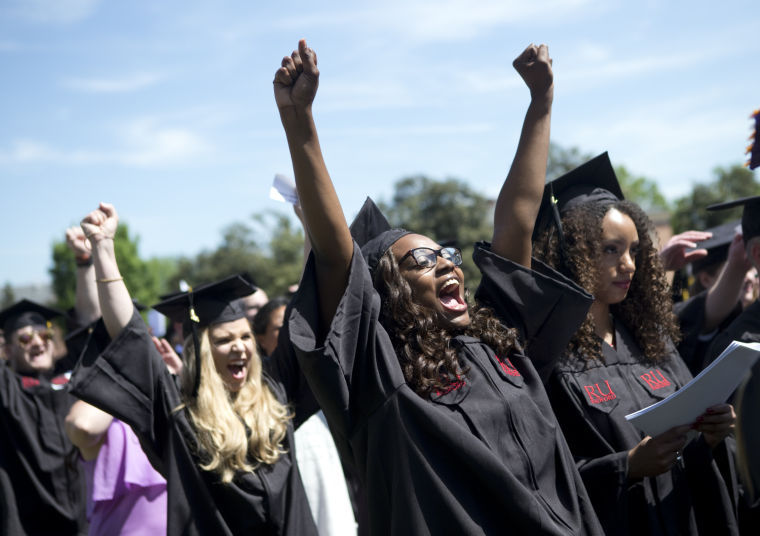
166	109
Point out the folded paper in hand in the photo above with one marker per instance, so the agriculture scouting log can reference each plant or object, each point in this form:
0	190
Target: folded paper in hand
284	189
711	386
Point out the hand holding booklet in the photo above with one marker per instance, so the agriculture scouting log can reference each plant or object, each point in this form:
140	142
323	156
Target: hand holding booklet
711	386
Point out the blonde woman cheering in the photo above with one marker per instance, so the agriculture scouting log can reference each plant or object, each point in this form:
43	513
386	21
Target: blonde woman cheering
223	436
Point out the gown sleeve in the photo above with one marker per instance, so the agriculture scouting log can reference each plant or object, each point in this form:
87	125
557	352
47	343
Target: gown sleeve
546	307
282	366
354	369
127	378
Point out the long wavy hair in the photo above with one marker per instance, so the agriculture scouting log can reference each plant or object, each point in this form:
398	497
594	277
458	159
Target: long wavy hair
235	433
422	344
647	309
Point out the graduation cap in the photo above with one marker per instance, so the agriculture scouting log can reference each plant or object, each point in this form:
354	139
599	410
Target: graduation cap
26	313
371	230
750	214
592	182
717	246
206	305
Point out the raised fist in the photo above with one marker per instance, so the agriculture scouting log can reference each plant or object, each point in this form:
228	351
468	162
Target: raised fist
101	223
535	67
296	82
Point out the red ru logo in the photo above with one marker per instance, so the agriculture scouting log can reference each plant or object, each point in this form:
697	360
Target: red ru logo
596	394
653	381
507	366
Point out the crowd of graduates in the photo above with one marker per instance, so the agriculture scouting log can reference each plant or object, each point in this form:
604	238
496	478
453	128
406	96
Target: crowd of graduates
381	398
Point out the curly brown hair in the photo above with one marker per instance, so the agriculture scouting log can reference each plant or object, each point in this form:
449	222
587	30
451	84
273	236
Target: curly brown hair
428	360
647	309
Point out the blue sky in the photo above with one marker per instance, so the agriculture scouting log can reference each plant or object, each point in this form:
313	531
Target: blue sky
165	108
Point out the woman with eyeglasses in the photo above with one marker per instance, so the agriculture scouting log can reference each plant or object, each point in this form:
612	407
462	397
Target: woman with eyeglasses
434	402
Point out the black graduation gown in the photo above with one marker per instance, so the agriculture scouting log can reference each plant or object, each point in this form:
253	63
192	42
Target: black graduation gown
42	490
745	328
484	457
130	381
591	400
694	344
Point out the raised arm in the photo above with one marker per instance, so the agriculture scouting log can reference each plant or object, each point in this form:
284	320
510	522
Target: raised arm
86	427
99	227
86	306
295	86
520	197
724	294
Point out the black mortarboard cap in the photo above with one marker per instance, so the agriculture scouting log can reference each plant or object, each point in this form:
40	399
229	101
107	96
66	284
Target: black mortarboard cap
212	303
750	214
26	313
717	246
594	181
206	305
371	230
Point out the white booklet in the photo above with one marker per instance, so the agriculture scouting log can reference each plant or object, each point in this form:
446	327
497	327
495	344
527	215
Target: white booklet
711	386
284	189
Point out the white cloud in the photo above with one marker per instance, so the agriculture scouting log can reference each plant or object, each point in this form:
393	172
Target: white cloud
125	84
442	20
50	11
144	143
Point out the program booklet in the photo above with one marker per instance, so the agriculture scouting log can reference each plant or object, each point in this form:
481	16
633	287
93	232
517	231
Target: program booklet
710	387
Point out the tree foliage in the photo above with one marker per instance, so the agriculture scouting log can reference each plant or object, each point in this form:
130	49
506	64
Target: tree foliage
274	265
143	279
691	212
639	189
642	191
564	159
447	211
8	297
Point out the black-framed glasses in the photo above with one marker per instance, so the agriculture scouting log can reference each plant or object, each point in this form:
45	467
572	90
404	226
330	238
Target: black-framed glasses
428	257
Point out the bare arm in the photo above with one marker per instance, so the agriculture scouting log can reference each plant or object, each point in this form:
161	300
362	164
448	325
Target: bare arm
86	303
86	427
520	197
724	294
674	255
115	303
295	86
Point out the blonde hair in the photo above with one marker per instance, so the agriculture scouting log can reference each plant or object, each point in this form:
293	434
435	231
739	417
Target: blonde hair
232	428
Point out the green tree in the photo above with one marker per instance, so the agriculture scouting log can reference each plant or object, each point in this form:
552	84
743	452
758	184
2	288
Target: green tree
730	183
637	189
564	159
142	278
8	298
447	211
274	265
641	190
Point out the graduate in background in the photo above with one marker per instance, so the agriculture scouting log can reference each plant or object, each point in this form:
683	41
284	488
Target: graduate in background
623	359
745	328
720	275
41	492
436	404
223	436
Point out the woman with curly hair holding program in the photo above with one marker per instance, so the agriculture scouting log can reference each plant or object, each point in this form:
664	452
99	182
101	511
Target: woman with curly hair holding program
435	404
623	359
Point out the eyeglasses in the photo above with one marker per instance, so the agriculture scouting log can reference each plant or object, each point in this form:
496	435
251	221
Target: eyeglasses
428	257
25	339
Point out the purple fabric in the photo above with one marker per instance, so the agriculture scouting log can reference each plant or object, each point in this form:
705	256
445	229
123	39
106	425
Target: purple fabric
125	494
